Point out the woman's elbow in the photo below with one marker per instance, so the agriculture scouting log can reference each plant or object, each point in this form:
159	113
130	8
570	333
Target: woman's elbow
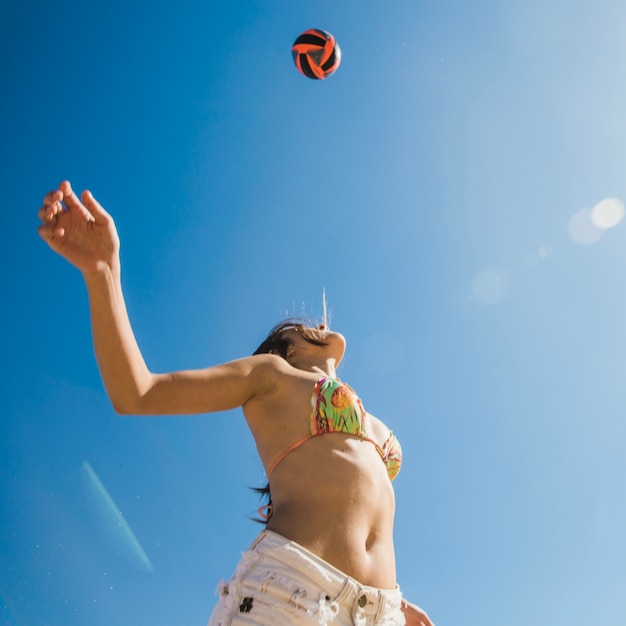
132	402
125	406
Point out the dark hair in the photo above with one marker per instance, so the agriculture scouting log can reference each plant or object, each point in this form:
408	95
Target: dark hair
276	344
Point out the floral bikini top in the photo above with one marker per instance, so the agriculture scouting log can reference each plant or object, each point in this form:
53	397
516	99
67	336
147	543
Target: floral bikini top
337	409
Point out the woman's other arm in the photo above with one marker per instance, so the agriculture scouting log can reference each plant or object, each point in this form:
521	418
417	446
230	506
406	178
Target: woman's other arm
415	616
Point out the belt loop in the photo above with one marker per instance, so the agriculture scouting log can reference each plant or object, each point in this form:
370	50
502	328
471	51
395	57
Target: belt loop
381	600
346	592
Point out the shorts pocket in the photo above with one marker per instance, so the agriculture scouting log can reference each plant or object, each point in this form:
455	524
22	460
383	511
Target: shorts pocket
267	589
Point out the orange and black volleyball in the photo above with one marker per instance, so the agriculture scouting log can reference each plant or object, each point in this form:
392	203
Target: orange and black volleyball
316	53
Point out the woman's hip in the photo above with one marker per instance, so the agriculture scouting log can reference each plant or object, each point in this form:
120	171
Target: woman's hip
277	581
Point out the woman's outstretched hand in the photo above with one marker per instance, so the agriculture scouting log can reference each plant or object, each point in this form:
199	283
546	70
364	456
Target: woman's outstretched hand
79	229
415	616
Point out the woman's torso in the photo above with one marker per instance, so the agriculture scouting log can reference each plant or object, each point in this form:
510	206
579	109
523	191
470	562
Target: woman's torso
331	495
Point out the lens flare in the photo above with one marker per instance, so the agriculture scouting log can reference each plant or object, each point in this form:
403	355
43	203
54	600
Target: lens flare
582	230
112	521
607	213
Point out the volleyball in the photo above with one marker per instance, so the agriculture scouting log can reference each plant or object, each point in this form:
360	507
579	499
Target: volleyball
316	53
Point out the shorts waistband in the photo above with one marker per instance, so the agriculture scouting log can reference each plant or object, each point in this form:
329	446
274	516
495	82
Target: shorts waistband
341	587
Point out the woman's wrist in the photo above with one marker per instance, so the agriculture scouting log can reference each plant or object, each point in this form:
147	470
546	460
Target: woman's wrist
102	272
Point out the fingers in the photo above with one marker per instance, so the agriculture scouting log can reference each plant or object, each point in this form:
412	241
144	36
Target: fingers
65	200
95	208
72	201
51	234
53	202
51	206
89	206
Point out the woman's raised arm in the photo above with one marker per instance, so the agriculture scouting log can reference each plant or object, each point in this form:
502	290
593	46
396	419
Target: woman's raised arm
82	232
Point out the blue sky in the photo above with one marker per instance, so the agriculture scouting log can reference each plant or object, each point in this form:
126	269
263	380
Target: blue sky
433	186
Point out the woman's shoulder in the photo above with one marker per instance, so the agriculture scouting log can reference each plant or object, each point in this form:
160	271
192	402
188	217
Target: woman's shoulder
268	363
275	377
271	371
275	365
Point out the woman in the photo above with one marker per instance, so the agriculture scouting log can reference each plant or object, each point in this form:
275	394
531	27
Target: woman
326	555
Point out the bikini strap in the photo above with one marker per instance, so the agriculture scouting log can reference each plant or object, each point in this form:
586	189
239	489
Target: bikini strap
286	452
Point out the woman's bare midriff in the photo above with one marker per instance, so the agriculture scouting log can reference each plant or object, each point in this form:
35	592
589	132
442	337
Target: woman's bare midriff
341	509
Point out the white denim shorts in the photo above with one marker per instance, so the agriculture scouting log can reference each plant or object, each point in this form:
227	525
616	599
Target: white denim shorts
278	582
